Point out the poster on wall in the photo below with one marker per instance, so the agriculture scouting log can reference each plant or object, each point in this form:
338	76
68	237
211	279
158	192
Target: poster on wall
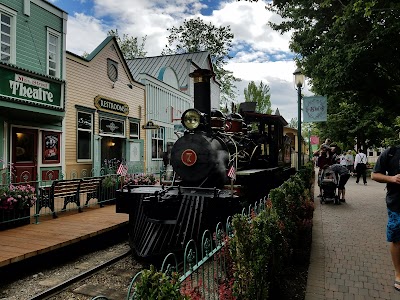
51	147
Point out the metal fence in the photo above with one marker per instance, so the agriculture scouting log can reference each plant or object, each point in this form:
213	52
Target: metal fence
204	270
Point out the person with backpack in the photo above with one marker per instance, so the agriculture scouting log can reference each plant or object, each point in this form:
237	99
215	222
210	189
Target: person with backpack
360	165
387	170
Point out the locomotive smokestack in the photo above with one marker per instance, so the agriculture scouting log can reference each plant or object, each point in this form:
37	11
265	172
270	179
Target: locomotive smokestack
202	91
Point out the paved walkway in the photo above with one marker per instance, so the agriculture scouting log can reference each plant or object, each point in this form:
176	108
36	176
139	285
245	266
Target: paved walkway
350	257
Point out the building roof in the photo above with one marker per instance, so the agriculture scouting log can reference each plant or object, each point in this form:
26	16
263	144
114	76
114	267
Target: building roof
154	66
100	47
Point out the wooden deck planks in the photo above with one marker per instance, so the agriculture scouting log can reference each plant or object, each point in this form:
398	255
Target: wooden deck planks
26	241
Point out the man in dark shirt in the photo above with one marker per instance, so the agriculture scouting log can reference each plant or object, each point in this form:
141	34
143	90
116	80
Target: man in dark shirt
387	170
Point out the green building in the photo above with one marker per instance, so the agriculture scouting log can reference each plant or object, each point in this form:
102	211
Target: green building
32	89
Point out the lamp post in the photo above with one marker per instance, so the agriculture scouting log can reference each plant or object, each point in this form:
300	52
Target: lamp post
309	143
298	81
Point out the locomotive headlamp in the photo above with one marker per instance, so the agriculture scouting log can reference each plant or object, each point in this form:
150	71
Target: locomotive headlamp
191	119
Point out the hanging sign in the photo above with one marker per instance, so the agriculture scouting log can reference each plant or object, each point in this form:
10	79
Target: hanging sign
150	125
314	139
314	109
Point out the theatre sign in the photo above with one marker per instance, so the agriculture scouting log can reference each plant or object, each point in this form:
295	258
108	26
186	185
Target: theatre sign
111	105
16	85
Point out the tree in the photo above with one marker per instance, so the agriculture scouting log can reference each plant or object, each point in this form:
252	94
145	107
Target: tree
196	35
129	45
260	95
350	52
293	123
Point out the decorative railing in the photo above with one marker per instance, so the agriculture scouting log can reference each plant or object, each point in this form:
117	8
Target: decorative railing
203	272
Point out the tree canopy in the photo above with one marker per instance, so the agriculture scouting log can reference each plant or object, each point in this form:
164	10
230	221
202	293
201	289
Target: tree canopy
195	35
350	52
129	45
259	94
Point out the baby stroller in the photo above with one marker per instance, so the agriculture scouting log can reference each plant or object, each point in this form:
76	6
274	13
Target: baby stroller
329	186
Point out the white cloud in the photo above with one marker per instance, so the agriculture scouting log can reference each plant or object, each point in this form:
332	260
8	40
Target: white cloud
84	33
261	53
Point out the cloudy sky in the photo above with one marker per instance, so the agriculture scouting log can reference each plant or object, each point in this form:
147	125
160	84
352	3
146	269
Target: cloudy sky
259	53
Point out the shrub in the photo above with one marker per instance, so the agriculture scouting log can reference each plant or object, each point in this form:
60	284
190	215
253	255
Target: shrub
17	196
157	285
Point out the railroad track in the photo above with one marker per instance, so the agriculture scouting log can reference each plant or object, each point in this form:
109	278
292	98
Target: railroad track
79	271
47	294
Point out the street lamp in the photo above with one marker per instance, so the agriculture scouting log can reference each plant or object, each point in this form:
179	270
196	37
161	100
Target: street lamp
298	81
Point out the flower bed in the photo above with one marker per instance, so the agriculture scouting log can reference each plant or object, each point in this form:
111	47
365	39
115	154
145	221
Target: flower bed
15	204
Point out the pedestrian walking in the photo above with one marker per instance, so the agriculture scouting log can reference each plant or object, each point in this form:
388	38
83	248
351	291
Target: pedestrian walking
387	170
343	160
360	165
350	161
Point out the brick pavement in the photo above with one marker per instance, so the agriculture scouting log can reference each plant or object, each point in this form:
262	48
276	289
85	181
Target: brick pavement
350	257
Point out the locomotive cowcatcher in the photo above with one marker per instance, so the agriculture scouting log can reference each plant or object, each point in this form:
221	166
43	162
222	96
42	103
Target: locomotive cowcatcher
250	146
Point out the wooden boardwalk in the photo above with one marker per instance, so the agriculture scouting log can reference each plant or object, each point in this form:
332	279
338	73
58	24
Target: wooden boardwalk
30	240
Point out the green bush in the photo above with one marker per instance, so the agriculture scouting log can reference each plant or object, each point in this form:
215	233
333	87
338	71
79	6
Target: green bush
154	285
262	244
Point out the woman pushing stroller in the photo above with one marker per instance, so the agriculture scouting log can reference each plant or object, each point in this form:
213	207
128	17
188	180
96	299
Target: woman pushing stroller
343	174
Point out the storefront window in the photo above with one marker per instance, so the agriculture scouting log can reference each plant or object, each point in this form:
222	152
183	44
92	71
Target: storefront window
157	143
85	121
134	132
112	127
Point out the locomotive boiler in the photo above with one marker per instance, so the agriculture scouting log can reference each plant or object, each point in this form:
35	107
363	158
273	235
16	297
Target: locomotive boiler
247	145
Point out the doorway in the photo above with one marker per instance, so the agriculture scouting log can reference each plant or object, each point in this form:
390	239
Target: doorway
24	154
111	152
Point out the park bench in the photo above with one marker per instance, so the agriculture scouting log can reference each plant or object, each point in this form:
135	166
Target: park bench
91	186
69	191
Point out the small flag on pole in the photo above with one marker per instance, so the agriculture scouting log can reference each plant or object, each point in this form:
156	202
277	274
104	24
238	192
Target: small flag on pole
122	170
232	172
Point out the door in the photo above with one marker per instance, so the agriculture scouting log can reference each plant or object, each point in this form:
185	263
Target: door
135	159
24	154
111	153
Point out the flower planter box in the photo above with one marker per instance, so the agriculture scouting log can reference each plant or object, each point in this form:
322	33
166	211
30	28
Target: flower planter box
14	218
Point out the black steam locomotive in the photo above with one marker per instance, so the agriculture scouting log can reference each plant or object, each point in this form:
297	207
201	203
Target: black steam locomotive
248	146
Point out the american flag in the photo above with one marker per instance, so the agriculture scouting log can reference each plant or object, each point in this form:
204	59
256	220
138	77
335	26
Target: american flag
122	170
232	172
